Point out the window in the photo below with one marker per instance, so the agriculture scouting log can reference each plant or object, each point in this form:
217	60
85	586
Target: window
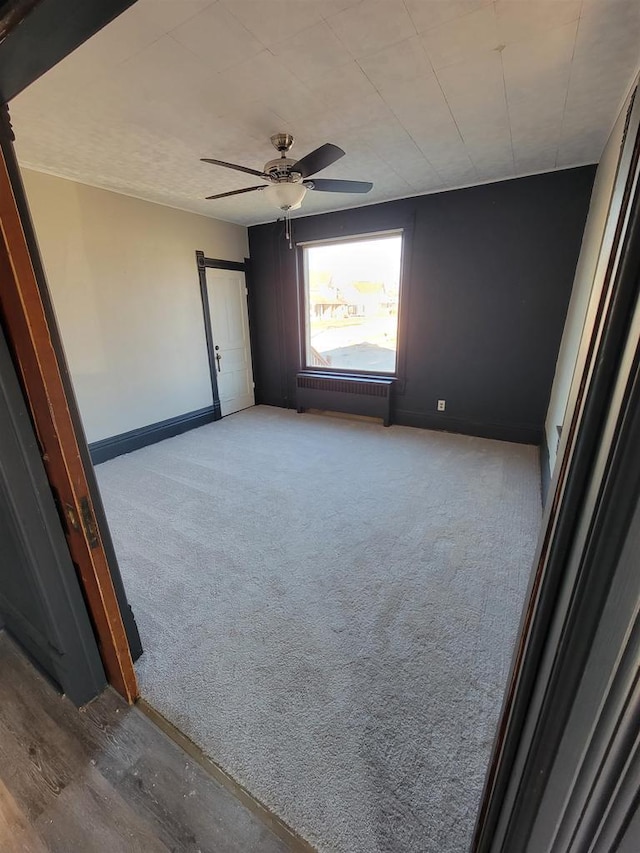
352	298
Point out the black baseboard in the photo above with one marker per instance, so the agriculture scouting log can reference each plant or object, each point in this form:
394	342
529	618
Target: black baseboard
545	468
518	433
126	442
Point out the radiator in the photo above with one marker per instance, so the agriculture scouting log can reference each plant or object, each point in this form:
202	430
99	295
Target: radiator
351	394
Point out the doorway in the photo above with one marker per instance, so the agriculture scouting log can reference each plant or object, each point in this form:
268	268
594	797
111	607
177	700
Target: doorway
225	296
215	364
229	320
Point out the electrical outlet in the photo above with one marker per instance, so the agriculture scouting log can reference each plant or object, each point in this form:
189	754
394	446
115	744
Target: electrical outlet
442	405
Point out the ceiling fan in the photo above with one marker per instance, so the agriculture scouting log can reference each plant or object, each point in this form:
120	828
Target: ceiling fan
288	180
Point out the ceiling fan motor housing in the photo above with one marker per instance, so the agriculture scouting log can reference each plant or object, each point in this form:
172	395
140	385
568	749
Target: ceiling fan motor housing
280	170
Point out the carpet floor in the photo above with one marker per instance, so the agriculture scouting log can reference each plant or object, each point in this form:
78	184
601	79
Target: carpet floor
329	609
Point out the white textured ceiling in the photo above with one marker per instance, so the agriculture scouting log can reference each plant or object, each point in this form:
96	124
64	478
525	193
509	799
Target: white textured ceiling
421	94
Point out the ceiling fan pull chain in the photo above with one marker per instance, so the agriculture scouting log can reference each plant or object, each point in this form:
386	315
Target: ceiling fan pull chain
287	226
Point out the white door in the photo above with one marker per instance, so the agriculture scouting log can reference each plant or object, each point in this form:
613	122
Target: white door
227	296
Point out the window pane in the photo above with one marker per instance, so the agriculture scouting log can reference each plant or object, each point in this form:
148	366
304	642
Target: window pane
353	292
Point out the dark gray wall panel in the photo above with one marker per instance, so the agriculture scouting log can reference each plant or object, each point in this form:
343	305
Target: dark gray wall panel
485	298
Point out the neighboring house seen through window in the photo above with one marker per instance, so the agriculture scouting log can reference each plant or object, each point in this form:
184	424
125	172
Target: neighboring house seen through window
352	300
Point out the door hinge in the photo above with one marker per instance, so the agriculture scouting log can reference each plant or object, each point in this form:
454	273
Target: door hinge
89	523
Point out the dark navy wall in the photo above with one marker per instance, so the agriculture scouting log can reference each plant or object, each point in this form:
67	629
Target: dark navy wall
486	291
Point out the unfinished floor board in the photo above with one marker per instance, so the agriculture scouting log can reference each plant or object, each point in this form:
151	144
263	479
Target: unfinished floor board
328	609
105	779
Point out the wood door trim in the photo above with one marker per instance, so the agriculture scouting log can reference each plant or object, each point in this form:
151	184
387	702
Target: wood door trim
32	348
218	263
201	263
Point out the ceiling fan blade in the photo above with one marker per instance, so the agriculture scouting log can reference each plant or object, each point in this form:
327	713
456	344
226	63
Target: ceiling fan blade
327	185
318	160
233	166
237	192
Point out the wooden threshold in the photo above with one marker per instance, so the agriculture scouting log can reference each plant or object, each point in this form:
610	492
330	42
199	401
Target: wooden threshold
296	843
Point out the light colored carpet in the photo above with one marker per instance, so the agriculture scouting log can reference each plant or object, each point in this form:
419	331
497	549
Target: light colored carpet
328	608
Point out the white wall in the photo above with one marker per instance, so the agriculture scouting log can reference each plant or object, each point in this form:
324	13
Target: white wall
583	284
124	283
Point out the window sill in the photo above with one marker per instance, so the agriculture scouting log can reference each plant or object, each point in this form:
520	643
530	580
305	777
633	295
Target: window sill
360	375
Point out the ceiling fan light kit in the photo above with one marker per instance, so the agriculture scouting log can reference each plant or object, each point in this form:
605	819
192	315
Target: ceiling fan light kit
287	196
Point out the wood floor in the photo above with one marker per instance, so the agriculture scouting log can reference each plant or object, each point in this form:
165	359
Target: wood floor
105	779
